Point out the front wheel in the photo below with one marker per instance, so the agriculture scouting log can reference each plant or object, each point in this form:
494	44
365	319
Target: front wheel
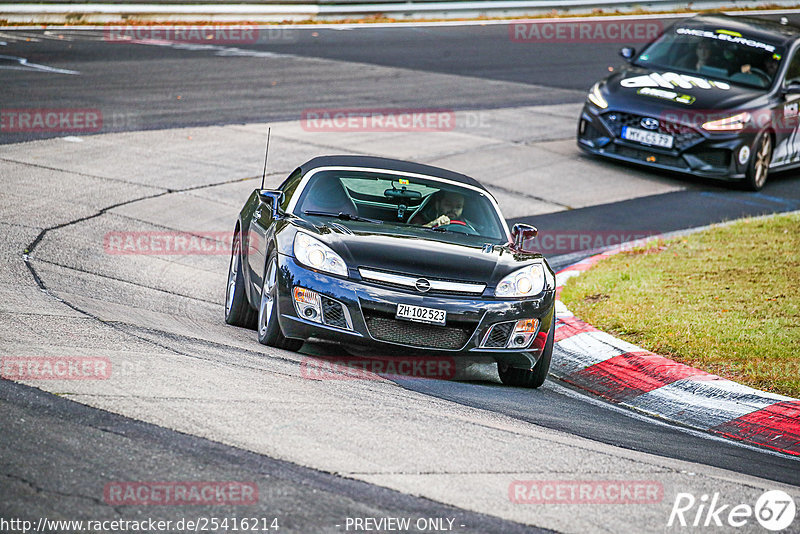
237	309
269	330
758	168
533	378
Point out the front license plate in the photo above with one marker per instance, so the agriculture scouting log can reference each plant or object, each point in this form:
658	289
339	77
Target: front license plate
420	314
647	138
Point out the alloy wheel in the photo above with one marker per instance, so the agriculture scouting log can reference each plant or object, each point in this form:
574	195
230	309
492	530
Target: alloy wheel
233	271
266	307
763	157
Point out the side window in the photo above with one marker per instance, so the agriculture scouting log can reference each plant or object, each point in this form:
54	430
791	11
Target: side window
793	73
288	187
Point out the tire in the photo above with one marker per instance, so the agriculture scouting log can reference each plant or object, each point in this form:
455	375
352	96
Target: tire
533	378
238	311
758	167
269	330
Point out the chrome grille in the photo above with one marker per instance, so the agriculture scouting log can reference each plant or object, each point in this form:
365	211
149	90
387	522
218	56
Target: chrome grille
406	281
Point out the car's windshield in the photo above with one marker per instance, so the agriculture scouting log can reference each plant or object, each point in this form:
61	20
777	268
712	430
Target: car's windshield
401	200
718	54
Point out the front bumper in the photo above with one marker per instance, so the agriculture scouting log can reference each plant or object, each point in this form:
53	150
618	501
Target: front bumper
370	310
701	154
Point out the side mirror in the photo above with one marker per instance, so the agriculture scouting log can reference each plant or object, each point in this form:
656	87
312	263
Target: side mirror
627	52
792	89
272	198
521	233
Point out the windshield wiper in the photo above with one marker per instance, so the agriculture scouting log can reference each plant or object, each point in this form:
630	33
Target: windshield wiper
441	230
343	216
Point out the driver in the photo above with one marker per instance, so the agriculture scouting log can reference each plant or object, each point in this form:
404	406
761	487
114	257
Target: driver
703	54
770	67
448	205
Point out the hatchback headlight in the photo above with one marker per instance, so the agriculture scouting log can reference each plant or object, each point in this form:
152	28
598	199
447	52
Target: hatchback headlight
314	253
596	98
728	124
525	282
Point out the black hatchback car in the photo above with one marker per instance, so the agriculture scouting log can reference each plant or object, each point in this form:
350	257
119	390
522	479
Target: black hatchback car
713	96
395	257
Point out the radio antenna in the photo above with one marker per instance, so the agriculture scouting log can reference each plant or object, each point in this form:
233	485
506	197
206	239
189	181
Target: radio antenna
266	155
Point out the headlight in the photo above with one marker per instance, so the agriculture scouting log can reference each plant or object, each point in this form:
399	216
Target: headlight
317	255
728	124
525	282
596	98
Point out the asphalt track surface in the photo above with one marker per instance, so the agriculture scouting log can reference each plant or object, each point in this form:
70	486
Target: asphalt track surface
463	68
301	499
138	87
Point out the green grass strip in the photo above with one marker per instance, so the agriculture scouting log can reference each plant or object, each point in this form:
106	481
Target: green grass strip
726	300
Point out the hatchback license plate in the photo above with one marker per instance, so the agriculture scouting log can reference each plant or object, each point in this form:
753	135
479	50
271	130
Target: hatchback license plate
420	314
647	138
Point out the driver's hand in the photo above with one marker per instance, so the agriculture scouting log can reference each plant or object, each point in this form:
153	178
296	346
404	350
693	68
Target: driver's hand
442	220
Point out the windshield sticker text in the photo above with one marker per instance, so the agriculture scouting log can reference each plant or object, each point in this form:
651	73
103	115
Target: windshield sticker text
671	80
722	35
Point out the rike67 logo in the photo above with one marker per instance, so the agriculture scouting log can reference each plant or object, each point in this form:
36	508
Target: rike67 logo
774	510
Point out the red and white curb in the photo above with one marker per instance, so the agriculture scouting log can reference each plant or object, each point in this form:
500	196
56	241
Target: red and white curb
630	376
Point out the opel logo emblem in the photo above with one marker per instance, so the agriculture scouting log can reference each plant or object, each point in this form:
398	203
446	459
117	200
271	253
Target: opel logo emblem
649	123
422	285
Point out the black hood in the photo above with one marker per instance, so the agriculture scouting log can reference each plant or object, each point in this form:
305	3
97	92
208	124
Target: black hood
421	252
652	92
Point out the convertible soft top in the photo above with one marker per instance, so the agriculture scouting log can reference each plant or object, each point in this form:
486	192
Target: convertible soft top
389	165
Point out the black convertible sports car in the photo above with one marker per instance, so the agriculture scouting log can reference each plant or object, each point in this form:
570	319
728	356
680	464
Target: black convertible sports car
396	257
713	96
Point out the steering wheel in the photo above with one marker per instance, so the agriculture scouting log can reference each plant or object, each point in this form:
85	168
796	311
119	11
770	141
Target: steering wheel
461	227
761	74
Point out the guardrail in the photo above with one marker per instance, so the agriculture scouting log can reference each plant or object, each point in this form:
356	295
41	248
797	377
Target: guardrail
68	11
